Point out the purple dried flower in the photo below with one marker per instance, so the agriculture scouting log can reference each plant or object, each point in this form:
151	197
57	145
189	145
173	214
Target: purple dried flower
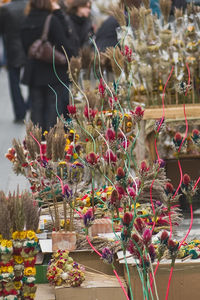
107	255
67	191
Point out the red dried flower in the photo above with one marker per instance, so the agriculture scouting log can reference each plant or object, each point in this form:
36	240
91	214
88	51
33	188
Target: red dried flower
110	135
147	236
92	158
127	218
178	137
169	188
139	225
164	236
101	87
120	172
71	109
89	113
143	167
114	197
186	179
110	157
171	244
195	132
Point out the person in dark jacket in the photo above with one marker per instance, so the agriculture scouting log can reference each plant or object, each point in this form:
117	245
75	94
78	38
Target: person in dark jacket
11	17
38	74
106	35
80	23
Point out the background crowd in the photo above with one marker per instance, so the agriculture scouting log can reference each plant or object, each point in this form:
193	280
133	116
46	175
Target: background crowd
72	25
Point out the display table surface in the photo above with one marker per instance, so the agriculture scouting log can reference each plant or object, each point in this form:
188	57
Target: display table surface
185	283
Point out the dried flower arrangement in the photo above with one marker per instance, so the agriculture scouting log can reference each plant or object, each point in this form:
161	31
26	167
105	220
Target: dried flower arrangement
19	245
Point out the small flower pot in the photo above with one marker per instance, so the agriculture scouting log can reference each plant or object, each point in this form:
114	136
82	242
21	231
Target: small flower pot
62	240
100	226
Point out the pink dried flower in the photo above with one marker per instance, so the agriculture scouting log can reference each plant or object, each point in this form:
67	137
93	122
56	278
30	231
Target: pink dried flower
138	113
110	135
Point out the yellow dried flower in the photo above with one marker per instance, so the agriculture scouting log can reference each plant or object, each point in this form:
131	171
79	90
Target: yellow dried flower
18	259
18	285
9	244
22	235
10	269
31	234
29	271
16	235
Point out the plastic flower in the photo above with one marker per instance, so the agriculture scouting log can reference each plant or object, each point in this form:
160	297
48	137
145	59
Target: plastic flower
31	234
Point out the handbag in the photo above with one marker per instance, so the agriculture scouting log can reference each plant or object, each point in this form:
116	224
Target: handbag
42	49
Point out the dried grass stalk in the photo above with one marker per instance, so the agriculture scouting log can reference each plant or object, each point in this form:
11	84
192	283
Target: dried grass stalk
115	55
165	7
118	13
58	142
75	66
19	151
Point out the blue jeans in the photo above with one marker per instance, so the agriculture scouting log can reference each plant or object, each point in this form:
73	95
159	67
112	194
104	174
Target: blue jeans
19	105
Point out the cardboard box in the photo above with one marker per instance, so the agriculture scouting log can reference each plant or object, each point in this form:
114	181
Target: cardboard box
85	257
95	287
184	284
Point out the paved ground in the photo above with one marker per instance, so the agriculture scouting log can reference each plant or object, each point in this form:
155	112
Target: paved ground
8	130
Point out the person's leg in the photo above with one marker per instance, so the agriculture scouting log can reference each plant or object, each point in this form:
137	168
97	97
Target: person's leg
37	102
52	111
19	106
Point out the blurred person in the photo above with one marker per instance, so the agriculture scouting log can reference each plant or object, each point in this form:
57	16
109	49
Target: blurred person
155	7
81	24
11	17
106	35
38	74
